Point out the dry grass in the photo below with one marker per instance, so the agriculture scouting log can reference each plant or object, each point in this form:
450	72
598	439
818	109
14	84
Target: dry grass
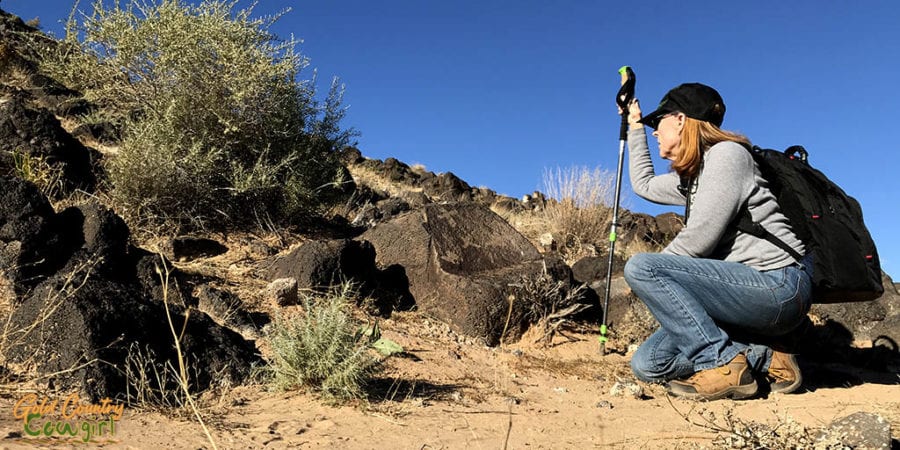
150	382
183	380
377	182
23	375
164	386
782	432
548	304
583	203
636	246
7	296
69	124
418	168
577	214
36	169
14	75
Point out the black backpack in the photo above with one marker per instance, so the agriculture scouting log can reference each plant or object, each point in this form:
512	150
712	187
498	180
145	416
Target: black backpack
828	221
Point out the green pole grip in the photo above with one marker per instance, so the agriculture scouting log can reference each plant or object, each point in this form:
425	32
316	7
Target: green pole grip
602	338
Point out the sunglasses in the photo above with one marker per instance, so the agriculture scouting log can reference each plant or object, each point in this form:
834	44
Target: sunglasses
655	124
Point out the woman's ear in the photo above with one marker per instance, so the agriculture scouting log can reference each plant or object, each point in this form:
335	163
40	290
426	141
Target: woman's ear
679	121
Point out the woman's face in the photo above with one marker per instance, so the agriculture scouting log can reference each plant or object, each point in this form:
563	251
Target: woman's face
668	134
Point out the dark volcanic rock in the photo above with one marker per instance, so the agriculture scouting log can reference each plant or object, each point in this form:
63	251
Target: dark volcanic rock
447	187
860	430
36	133
321	265
226	308
592	269
187	248
88	300
464	264
318	265
669	224
85	332
867	320
29	243
94	231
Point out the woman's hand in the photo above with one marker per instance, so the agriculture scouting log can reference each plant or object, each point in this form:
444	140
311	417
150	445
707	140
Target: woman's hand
634	114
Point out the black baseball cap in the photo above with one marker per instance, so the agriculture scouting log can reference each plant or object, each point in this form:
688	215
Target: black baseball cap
695	100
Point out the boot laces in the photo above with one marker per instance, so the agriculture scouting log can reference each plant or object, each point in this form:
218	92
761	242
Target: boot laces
781	373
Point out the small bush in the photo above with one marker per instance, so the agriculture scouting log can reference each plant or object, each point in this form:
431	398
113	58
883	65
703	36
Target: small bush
323	349
548	303
218	127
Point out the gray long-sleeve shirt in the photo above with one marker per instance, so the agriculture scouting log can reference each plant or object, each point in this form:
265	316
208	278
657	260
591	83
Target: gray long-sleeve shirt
728	180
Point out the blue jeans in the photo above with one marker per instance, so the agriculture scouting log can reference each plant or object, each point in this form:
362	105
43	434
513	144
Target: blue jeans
709	310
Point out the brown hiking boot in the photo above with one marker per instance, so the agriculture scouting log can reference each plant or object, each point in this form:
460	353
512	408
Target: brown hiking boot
733	380
784	373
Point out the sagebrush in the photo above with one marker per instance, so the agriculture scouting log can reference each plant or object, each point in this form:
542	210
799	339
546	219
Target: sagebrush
219	128
323	349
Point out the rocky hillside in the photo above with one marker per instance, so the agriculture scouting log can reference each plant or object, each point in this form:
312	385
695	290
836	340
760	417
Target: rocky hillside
75	277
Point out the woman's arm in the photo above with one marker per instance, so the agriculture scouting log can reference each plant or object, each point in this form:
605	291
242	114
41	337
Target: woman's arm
661	189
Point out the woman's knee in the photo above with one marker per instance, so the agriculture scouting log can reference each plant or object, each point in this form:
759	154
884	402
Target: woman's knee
637	368
637	267
643	365
644	371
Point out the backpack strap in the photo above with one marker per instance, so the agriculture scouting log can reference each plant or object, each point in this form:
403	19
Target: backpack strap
743	222
685	189
746	224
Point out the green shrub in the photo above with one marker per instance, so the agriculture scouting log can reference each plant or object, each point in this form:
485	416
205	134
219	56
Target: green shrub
324	349
219	128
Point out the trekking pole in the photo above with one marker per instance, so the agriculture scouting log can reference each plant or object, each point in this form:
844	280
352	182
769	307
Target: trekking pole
623	98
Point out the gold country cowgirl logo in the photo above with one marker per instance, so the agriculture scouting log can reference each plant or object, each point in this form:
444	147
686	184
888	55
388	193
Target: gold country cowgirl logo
69	417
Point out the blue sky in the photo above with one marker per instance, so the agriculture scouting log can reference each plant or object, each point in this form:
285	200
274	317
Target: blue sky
497	92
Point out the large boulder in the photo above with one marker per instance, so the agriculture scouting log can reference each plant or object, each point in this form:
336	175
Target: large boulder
669	224
29	243
318	266
94	232
593	269
466	266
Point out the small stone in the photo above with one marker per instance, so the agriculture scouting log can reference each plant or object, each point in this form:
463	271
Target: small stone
283	292
860	430
622	388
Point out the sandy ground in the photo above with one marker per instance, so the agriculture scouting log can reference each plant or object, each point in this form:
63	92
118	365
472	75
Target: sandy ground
448	393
